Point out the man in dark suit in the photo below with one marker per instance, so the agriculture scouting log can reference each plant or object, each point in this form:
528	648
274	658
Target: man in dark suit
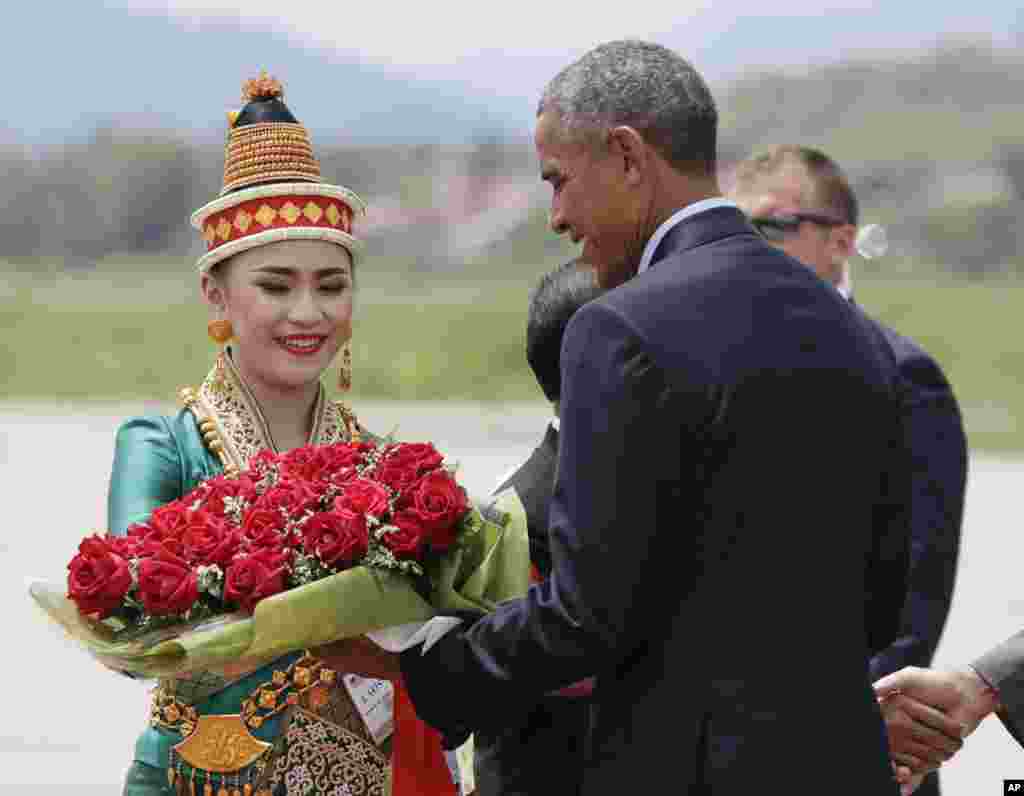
694	526
542	750
802	202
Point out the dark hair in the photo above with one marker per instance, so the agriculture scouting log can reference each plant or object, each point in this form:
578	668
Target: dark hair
553	301
830	188
648	87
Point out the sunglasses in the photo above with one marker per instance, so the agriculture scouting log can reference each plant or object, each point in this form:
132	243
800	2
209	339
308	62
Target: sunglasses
780	227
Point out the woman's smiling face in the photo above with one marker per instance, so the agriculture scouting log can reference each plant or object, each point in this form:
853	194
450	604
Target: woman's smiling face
290	306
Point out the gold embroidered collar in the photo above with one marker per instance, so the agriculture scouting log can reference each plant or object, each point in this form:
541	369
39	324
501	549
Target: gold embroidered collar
234	427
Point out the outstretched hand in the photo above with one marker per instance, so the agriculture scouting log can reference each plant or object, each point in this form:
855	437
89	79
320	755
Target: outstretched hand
928	713
921	738
360	656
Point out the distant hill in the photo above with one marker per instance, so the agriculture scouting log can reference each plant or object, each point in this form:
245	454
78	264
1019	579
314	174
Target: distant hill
959	102
99	65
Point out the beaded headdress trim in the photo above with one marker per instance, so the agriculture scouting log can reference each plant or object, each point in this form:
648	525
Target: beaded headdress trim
292	211
268	151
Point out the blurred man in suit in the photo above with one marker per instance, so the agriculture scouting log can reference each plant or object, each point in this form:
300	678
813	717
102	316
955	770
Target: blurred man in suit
543	751
693	526
801	201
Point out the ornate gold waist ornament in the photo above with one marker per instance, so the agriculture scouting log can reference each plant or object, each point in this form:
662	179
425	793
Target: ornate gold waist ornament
219	745
222	744
219	755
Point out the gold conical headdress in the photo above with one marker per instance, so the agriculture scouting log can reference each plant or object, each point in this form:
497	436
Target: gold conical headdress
272	186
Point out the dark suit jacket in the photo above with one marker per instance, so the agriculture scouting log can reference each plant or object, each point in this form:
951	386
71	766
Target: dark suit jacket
937	446
725	557
542	749
1003	668
534	482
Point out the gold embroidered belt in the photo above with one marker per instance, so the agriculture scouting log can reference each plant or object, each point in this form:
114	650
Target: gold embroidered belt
219	754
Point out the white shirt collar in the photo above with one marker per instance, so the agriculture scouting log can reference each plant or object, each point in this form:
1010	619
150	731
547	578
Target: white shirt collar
677	217
554	423
845	286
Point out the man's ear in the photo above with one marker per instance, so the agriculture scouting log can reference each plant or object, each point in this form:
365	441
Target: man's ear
626	143
843	241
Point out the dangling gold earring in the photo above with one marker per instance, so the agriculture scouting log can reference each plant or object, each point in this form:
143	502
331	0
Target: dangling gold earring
345	371
220	332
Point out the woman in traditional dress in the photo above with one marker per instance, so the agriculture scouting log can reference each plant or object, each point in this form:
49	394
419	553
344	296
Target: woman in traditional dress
278	276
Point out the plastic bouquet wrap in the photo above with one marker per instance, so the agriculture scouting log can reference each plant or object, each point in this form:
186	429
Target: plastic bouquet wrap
301	549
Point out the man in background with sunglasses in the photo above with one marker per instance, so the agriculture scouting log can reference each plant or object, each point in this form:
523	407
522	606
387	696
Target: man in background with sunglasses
799	199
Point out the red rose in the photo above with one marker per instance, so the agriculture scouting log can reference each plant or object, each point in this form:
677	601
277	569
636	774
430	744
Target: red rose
169	521
442	537
421	454
440	503
306	462
209	540
167	585
409	536
142	532
291	498
124	546
338	538
397	475
221	487
98	577
263	528
251	578
154	545
343	475
363	496
345	457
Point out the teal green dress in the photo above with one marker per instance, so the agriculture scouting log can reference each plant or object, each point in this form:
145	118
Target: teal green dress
158	459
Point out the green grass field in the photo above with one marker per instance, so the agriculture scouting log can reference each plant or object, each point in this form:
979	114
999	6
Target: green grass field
131	330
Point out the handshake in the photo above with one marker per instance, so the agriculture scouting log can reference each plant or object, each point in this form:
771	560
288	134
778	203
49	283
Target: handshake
927	714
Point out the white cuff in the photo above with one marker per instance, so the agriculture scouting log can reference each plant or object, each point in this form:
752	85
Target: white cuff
402	637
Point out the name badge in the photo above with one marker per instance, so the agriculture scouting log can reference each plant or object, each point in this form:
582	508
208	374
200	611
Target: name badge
375	701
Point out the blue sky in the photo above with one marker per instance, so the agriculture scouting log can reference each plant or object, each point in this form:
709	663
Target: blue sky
411	69
468	38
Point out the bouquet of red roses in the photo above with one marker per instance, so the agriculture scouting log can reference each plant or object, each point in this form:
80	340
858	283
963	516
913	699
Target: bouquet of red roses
302	548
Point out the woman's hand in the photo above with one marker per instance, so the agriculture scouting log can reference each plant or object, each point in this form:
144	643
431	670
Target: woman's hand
360	656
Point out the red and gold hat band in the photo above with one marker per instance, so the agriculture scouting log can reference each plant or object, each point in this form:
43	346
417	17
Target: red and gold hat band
267	213
281	212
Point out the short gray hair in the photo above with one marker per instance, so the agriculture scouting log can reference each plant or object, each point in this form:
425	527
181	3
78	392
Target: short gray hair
647	87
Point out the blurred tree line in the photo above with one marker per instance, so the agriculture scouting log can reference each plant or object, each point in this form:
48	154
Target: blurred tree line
934	145
132	191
